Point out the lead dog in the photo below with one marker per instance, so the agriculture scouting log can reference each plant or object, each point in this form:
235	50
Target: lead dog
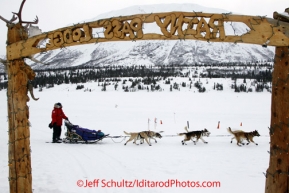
194	134
137	136
151	135
239	135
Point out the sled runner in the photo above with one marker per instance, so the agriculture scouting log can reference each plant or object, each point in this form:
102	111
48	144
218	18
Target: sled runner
77	134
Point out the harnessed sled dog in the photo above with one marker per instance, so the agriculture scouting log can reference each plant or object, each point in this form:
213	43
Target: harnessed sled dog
143	135
152	135
194	134
240	135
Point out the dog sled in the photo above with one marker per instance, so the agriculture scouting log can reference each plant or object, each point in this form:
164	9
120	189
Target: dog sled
77	134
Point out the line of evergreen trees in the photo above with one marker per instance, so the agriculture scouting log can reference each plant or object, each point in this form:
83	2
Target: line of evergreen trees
75	75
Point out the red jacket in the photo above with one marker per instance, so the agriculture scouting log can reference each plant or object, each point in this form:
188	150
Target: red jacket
57	116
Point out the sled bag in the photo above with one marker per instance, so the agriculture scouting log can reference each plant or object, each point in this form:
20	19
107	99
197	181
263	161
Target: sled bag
88	134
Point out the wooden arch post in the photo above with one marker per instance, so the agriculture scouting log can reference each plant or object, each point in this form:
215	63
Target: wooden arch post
19	74
20	177
277	175
172	26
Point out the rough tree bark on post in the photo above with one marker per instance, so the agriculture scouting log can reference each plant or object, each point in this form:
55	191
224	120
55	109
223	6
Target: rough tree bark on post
20	177
277	175
19	74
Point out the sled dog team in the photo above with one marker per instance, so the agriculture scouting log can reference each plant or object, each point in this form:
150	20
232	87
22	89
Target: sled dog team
58	115
239	135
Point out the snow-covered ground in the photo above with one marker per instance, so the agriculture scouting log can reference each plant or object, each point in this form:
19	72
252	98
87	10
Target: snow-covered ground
66	168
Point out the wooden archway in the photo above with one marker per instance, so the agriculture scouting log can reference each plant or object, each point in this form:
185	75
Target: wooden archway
173	26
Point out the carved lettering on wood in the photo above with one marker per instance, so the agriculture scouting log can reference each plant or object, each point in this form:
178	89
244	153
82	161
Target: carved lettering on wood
172	25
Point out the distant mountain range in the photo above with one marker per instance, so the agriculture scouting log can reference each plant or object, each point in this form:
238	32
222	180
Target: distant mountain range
156	52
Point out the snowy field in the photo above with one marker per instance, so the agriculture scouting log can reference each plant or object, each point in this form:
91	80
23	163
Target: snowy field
68	168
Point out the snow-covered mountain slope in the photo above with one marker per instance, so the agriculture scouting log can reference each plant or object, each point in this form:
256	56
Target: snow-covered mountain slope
157	52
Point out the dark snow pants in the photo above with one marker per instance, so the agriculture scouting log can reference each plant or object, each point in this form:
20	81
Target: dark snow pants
56	133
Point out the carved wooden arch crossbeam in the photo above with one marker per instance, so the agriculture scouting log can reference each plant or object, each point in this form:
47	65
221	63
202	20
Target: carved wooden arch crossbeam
172	25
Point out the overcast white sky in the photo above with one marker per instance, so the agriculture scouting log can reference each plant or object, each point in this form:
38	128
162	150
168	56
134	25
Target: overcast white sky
54	14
